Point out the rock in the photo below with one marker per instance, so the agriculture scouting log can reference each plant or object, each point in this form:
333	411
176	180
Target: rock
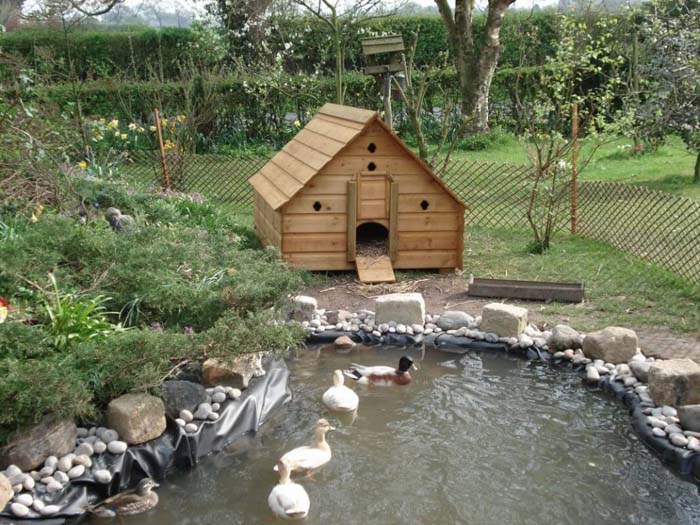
50	437
117	447
187	416
102	476
76	471
65	463
29	483
454	319
504	320
678	439
236	372
564	337
592	375
84	449
49	510
673	429
38	505
669	411
180	422
61	477
218	397
6	491
405	308
25	499
215	407
658	432
19	510
108	435
99	446
640	369
53	486
212	416
675	382
344	343
124	223
689	416
233	393
303	308
693	443
180	395
137	417
83	460
202	411
569	354
190	427
417	328
340	316
612	344
630	381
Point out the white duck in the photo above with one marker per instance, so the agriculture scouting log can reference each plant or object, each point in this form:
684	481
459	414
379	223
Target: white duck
310	458
339	397
288	500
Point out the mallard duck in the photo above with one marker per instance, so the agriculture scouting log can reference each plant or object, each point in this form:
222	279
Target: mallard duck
382	375
128	503
339	397
310	458
288	500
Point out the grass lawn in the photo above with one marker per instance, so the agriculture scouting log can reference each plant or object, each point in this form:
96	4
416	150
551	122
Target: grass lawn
669	169
620	289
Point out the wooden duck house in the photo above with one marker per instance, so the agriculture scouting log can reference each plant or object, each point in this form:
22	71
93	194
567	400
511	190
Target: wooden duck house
345	193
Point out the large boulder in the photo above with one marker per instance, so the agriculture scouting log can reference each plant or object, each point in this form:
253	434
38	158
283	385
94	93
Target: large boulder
564	337
504	320
689	416
403	308
180	395
236	372
6	492
454	320
51	437
675	382
303	308
137	417
612	344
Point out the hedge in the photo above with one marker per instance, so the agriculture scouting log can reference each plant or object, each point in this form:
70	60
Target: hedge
142	54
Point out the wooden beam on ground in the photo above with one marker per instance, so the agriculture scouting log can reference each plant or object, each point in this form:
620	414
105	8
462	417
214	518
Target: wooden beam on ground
528	290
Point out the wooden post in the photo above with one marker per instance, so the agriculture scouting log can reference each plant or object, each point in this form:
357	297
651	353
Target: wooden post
163	163
352	219
574	168
388	118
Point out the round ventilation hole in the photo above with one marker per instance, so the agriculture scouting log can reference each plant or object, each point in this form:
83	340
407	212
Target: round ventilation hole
372	147
425	205
317	206
371	166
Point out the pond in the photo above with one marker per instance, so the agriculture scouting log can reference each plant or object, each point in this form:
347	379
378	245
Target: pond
475	438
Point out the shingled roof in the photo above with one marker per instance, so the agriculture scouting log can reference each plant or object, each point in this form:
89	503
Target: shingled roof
332	129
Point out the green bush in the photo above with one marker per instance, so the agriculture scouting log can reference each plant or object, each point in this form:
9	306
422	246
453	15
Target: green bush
483	141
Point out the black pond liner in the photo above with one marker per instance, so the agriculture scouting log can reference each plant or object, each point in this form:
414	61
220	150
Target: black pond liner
175	449
684	462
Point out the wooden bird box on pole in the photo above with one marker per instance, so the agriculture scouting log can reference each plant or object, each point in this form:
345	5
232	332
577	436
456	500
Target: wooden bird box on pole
383	56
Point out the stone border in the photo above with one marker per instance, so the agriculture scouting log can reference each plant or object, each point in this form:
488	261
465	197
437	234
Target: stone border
609	359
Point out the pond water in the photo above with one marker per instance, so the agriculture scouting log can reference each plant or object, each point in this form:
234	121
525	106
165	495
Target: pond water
475	439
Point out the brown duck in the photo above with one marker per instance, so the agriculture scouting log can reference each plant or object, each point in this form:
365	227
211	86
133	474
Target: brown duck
127	503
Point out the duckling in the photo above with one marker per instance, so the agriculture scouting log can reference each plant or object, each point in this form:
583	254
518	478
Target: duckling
339	397
128	503
288	500
382	375
310	458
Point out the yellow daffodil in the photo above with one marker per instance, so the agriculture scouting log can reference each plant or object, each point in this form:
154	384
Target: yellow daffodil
102	121
113	124
181	118
141	130
163	122
168	144
132	126
117	134
152	128
124	136
297	124
83	164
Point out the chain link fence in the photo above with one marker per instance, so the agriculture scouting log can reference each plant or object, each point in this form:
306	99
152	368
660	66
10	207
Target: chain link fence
657	226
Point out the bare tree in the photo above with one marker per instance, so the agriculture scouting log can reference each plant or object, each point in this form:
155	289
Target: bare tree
341	18
474	70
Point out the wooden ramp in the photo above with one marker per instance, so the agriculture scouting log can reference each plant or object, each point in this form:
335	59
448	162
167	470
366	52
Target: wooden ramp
374	269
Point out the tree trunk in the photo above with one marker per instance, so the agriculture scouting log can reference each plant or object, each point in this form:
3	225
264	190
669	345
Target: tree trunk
696	177
475	72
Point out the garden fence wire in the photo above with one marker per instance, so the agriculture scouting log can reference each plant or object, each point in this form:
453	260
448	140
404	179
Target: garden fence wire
657	226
